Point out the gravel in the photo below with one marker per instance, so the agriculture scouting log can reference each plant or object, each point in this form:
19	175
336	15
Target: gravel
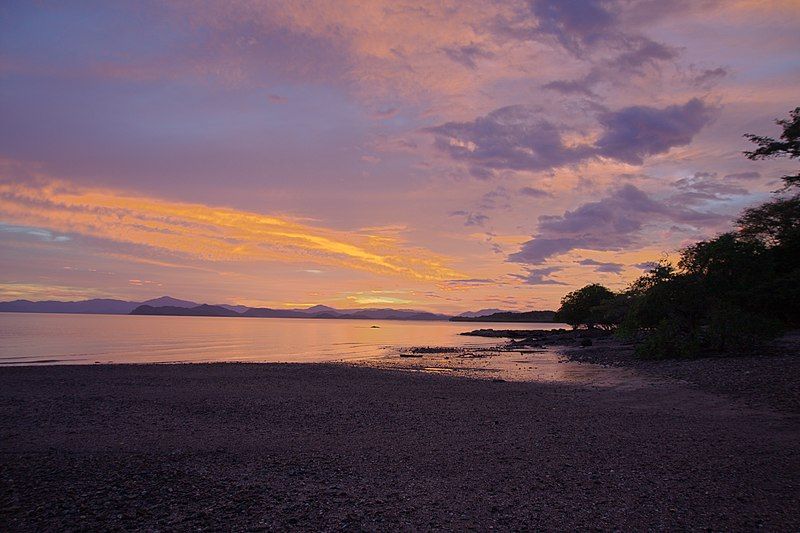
333	447
770	378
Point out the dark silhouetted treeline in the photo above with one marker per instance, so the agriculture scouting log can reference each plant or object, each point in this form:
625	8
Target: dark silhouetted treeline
725	295
509	316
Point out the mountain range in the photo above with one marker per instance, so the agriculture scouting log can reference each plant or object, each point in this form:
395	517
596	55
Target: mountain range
482	312
166	305
317	311
100	306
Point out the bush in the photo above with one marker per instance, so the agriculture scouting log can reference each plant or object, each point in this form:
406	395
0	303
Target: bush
670	340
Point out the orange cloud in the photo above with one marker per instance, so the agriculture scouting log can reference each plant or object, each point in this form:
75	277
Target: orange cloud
209	233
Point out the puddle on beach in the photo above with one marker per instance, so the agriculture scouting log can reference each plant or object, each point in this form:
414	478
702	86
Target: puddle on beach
537	365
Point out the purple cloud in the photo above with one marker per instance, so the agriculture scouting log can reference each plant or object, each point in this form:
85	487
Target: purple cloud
470	218
535	192
540	276
467	55
498	198
611	223
518	138
577	24
581	86
614	268
705	186
642	51
743	176
633	133
513	137
709	77
638	53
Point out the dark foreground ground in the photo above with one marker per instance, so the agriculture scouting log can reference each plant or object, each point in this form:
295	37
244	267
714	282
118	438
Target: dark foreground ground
232	446
771	378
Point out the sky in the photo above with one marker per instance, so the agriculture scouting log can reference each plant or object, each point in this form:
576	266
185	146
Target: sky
446	156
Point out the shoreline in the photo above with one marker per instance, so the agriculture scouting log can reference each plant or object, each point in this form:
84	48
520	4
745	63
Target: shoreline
764	379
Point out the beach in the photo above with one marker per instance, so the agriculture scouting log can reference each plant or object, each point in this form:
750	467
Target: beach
336	446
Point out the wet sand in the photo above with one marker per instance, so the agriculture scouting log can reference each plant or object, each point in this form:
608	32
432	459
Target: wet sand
330	447
501	363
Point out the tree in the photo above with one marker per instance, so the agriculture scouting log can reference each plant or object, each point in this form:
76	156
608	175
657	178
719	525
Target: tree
787	146
727	294
775	223
585	306
776	226
718	300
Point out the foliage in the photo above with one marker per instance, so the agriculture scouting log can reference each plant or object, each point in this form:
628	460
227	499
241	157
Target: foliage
585	307
775	223
725	295
788	146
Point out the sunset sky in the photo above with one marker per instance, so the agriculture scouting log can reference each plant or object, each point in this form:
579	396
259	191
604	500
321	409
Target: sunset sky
444	156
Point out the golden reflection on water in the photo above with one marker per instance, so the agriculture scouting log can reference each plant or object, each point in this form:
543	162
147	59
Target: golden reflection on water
29	338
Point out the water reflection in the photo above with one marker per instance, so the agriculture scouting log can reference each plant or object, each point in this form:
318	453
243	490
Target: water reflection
27	338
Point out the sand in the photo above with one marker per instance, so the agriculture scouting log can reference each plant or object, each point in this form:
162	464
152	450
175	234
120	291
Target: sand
332	447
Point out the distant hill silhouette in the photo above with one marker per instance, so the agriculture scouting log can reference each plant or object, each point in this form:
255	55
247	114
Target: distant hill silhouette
508	316
167	305
169	301
171	310
482	312
394	314
101	306
266	312
98	306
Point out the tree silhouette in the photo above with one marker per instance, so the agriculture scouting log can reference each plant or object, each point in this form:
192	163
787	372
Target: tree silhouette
585	306
788	146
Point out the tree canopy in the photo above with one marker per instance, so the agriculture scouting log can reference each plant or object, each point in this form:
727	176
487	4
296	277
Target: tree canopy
787	146
585	307
726	294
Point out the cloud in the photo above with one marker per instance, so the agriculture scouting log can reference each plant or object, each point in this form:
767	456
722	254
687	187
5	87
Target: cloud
705	186
535	192
481	173
467	55
519	138
611	223
640	53
743	176
614	268
599	27
464	284
498	198
634	133
203	232
539	276
646	265
277	99
709	77
369	299
513	137
471	219
582	86
37	233
577	25
387	113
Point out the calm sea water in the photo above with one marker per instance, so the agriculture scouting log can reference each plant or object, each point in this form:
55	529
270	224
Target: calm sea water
29	338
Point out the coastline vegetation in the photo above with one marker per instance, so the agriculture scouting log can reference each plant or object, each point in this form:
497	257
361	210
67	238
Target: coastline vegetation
725	295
